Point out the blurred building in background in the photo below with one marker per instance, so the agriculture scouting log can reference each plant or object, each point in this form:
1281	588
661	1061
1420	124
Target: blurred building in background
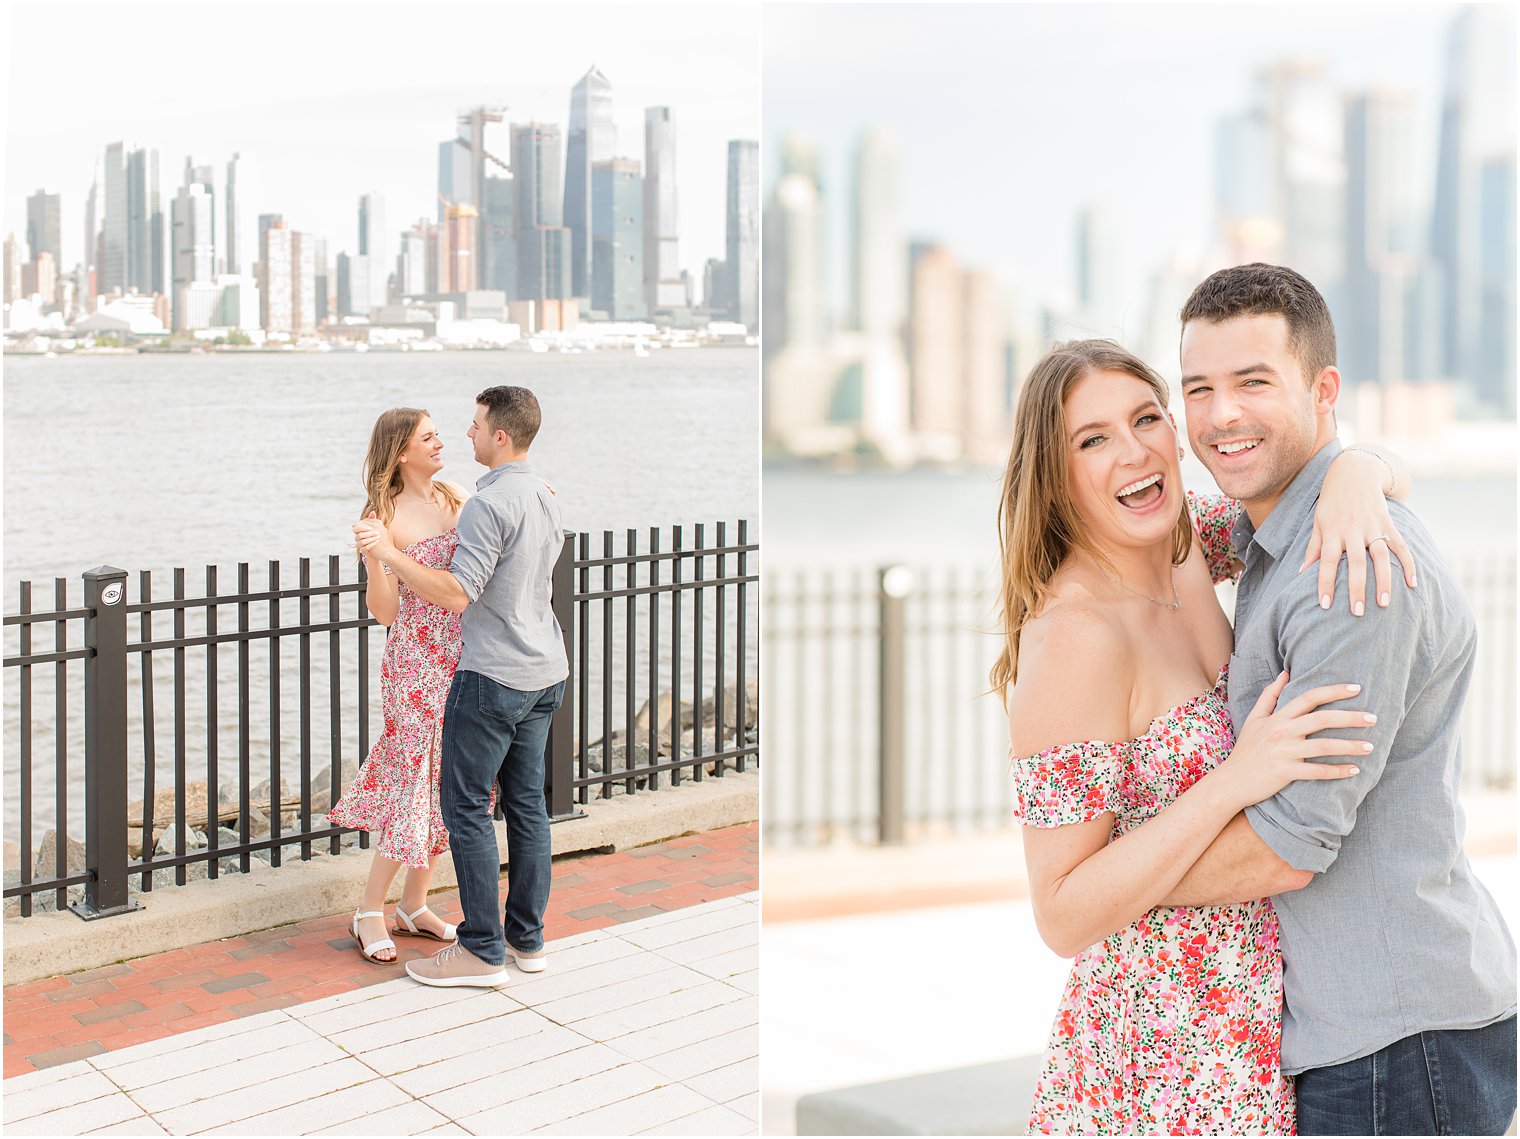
1417	263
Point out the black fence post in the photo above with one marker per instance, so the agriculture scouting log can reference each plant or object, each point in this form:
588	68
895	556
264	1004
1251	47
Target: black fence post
559	771
105	745
895	584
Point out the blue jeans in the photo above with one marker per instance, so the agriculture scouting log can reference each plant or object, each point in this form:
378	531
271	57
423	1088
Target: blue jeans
496	734
1432	1083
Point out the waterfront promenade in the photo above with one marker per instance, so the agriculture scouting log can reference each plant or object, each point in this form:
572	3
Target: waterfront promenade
645	1021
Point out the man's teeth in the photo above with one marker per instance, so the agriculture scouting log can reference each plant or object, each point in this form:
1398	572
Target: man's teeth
1139	486
1236	448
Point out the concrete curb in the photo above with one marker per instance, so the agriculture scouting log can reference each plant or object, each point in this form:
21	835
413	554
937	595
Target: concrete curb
54	944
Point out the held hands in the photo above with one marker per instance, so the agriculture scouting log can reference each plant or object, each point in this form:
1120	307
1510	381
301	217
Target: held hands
1352	516
1274	747
372	539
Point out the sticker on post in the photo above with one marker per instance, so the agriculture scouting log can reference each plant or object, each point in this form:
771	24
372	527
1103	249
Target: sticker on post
112	593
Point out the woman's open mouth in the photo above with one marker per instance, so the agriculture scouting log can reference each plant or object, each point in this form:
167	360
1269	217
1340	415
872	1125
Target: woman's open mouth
1142	493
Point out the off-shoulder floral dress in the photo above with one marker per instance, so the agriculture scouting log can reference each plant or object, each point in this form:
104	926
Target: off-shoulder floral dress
396	792
1173	1024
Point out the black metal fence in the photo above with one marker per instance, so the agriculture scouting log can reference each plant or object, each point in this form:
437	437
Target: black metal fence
881	728
877	724
246	673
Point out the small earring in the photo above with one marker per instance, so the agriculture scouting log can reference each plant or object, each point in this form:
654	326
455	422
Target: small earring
1181	454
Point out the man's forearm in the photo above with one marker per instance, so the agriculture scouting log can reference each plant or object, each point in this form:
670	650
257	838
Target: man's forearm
1237	867
436	585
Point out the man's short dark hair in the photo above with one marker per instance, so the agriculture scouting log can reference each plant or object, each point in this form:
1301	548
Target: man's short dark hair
513	410
1265	290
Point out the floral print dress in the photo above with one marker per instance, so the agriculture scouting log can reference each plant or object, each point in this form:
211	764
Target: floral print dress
396	792
1172	1025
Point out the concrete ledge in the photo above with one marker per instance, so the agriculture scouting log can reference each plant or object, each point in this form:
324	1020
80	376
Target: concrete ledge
53	944
989	1099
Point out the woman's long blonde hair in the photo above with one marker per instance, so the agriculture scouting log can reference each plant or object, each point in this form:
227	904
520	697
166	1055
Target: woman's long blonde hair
1038	523
391	436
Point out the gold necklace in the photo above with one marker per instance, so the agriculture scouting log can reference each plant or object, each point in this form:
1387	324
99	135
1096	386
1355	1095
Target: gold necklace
1175	604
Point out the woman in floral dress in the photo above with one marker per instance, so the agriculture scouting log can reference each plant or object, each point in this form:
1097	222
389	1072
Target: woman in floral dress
1126	765
396	792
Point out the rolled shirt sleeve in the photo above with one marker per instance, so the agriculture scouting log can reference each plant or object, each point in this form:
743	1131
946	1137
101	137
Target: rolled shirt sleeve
483	535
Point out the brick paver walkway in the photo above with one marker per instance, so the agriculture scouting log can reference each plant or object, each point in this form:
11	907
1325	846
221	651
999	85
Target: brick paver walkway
70	1018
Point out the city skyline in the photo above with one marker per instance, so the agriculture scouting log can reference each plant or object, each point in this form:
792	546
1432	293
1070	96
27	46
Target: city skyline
1007	143
387	124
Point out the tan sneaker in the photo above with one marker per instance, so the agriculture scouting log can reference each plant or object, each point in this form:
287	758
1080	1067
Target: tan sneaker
529	961
456	966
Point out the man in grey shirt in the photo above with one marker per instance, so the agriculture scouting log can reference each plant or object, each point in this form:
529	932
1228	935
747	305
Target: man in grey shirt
510	679
1398	970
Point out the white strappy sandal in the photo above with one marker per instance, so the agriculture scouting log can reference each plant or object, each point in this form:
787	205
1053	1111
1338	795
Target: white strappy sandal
411	930
368	951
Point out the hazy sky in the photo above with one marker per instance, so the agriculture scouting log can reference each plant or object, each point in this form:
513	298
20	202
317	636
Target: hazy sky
1011	117
326	101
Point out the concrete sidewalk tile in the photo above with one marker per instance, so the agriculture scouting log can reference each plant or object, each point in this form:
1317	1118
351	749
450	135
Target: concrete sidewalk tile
480	1099
355	996
746	1105
690	924
610	1025
41	1079
572	940
358	1102
713	1120
39	1099
707	945
730	964
708	1056
749	982
538	988
403	1000
690	1030
446	1129
150	1064
142	1125
631	1115
527	1113
430	1077
728	1083
221	1030
266	1096
419	1025
599	947
650	986
411	1118
234	1076
689	911
78	1118
460	1037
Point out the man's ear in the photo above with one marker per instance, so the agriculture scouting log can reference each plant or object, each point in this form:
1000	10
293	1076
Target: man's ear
1326	390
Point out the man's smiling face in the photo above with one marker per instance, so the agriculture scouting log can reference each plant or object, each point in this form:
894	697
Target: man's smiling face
1253	417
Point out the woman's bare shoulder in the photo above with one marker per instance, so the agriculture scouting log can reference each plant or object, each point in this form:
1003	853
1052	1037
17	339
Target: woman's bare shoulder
1076	675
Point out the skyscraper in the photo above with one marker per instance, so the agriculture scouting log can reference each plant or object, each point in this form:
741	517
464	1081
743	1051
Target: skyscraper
44	225
1379	236
617	247
233	253
461	225
879	281
664	290
741	268
1495	365
372	247
1477	126
12	279
456	184
111	274
498	237
411	262
287	290
142	186
592	139
89	261
543	246
192	240
792	236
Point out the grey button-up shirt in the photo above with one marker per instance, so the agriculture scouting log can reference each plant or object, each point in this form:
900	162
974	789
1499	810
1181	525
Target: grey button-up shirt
510	534
1394	935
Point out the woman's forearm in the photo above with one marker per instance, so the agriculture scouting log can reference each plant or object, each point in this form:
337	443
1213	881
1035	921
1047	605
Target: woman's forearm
381	595
1133	874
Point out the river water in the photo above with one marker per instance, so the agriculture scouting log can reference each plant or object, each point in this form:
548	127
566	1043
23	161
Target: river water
154	462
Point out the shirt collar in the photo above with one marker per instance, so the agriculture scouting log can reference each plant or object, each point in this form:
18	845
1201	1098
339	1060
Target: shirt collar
520	467
1293	507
